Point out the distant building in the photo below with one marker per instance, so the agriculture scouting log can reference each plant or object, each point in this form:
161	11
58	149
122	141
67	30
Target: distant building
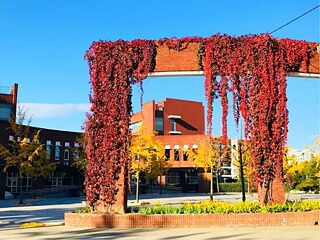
301	154
58	146
180	126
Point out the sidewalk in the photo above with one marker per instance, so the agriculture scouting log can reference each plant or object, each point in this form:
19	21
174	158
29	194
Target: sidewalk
257	233
51	210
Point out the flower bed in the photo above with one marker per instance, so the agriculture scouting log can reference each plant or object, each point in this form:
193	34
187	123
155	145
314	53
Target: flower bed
191	220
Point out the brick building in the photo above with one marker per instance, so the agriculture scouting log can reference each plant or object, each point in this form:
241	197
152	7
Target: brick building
58	145
180	126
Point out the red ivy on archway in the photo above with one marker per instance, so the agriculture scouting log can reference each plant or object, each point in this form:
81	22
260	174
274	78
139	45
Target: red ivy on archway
114	67
253	68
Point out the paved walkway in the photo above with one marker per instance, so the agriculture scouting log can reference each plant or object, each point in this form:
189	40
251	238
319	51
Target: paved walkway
62	232
51	210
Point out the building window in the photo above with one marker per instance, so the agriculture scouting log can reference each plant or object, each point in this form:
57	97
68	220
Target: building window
176	155
66	151
56	181
48	149
76	151
173	125
173	178
185	152
192	177
66	154
185	155
11	138
12	181
5	111
135	126
167	154
57	151
159	124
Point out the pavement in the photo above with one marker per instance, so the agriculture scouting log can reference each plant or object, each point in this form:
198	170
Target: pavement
248	233
51	212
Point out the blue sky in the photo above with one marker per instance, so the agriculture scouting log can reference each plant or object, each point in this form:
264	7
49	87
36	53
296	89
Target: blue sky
43	42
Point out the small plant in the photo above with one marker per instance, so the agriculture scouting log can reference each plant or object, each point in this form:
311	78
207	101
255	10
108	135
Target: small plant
83	210
32	225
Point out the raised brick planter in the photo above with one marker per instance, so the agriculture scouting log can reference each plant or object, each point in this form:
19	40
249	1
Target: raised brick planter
97	220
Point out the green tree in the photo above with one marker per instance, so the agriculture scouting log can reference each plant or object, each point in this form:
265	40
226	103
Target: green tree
27	157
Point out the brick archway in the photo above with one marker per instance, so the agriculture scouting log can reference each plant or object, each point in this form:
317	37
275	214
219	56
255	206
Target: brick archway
184	62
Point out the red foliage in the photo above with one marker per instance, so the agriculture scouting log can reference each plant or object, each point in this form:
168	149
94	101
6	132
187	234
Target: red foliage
256	66
253	68
113	67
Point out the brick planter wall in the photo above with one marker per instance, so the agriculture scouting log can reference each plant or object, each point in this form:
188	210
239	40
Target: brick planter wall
191	220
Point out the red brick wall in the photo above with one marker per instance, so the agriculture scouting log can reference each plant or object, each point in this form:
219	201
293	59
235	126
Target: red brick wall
191	220
192	116
186	60
147	116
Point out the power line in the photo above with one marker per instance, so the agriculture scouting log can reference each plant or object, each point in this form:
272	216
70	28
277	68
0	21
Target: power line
295	19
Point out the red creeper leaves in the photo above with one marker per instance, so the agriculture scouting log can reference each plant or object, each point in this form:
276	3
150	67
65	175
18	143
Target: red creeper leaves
252	68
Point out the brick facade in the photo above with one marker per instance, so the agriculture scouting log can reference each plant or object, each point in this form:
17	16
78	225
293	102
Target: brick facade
64	174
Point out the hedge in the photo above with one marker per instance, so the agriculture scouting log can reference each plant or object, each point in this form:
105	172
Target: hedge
232	187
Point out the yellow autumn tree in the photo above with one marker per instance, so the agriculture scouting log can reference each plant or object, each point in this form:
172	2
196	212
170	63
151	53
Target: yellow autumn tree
248	169
147	155
37	164
291	167
27	157
303	174
315	153
207	156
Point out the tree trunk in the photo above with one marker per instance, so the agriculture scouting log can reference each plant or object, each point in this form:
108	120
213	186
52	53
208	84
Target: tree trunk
151	185
137	188
217	178
211	186
21	193
160	184
34	187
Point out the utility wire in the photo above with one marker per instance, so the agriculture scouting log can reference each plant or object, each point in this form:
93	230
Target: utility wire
295	19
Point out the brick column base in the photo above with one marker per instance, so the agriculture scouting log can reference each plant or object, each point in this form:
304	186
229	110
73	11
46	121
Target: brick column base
277	192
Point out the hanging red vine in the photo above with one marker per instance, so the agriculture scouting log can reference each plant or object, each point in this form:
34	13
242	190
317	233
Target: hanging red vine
257	67
113	67
253	68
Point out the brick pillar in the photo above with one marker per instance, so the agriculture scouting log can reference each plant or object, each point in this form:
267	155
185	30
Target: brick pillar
277	192
120	205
